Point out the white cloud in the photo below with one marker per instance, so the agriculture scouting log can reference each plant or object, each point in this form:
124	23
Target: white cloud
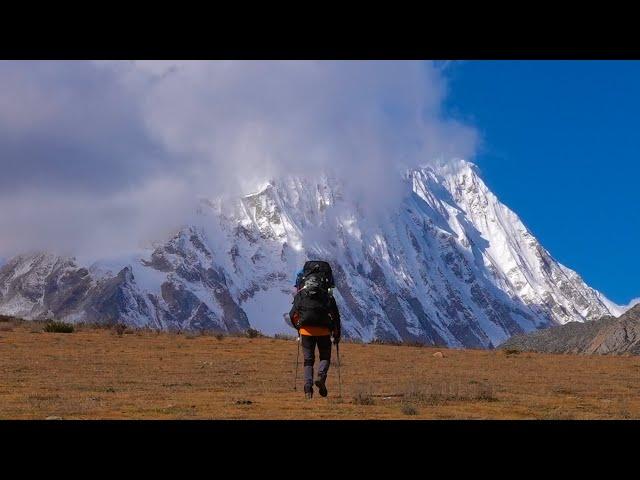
93	152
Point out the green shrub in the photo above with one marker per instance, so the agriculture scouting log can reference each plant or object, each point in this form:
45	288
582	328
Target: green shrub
58	327
253	333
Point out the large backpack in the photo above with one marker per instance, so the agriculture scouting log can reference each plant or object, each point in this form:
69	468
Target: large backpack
313	299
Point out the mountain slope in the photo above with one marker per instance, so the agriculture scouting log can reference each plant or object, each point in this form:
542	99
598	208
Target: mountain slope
608	335
449	264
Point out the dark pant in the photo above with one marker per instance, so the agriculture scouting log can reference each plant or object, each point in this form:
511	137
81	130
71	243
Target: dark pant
308	350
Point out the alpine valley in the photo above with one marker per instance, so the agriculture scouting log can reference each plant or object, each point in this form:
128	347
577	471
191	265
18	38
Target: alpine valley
448	265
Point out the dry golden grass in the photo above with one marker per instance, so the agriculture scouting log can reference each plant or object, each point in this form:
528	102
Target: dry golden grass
98	374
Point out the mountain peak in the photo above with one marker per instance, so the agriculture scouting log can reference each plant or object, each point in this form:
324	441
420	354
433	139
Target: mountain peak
456	167
450	265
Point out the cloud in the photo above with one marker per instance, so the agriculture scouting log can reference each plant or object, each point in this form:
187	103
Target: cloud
71	125
102	156
88	225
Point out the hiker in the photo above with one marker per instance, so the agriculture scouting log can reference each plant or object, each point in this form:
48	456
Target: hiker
316	317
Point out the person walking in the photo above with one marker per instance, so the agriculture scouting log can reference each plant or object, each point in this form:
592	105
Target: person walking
316	316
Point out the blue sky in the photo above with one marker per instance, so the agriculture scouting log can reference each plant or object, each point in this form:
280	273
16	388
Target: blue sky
561	147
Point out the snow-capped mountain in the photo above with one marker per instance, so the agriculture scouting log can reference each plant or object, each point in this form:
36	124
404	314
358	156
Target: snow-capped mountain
449	265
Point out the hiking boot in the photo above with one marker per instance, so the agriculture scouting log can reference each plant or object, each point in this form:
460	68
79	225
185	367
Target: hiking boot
308	392
322	388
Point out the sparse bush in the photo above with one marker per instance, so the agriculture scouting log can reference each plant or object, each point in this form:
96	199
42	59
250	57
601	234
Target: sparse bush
413	344
379	341
93	326
142	331
623	410
562	390
363	397
511	351
484	392
119	328
219	336
409	409
283	336
58	327
10	322
253	333
439	393
396	343
416	393
36	397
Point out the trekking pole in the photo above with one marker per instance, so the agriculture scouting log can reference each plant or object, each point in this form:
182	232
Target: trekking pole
295	379
339	379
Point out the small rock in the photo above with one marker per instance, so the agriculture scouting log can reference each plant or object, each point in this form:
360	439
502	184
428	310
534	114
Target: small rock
53	418
438	355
